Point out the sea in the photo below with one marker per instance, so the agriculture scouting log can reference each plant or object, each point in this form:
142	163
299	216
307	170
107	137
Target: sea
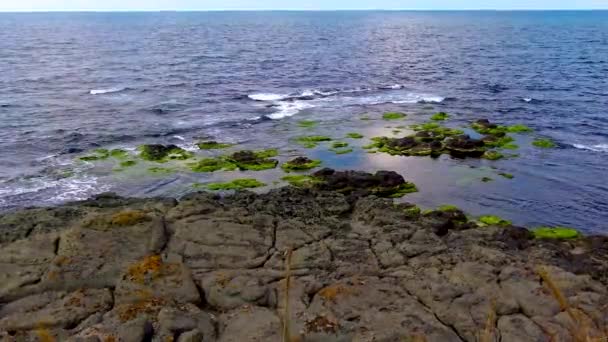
74	82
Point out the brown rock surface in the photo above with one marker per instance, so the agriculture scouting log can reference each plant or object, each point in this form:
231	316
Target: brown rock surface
213	269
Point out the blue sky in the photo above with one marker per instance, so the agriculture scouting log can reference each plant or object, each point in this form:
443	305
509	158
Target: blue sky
55	5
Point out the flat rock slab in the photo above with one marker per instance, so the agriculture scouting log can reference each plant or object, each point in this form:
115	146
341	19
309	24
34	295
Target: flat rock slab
324	265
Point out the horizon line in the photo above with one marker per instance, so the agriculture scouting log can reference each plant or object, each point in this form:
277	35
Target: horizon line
301	10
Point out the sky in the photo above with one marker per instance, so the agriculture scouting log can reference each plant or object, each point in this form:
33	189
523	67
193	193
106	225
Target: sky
151	5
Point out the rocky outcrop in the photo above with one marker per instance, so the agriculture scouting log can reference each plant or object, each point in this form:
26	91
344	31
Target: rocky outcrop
327	266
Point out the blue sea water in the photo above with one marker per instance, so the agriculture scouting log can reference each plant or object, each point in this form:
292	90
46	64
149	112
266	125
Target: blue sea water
73	82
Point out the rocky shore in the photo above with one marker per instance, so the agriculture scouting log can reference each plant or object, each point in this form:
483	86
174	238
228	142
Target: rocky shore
331	262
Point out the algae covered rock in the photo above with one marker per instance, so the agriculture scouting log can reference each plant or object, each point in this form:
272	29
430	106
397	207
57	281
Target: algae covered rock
236	184
440	116
163	153
211	165
559	233
544	143
300	164
393	116
212	145
464	146
382	183
312	141
254	160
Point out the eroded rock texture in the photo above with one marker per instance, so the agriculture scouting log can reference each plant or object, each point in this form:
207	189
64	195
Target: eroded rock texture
214	269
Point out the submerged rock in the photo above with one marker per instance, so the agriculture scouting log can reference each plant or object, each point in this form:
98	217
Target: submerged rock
300	164
254	160
163	153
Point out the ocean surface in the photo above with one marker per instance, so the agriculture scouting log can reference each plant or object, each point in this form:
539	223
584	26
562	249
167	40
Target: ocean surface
73	82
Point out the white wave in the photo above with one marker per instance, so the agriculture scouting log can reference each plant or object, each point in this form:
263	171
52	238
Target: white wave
432	99
289	109
179	137
105	91
594	148
394	86
65	189
268	97
527	99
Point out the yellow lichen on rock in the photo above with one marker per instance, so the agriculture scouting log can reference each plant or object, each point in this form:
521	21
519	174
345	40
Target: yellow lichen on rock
149	306
128	218
330	293
148	268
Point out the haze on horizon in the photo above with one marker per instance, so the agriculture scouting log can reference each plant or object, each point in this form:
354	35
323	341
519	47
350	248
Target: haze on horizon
205	5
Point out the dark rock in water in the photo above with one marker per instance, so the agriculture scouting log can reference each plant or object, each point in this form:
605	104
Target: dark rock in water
357	183
485	123
163	153
464	146
300	164
402	143
254	160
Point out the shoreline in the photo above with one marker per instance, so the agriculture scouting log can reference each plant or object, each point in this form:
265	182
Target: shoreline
360	267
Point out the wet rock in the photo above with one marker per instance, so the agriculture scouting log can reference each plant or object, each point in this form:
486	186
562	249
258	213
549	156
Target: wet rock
356	183
464	146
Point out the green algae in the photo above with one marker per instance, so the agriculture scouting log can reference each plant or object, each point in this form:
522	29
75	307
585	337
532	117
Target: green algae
393	116
300	165
413	212
162	153
396	131
365	118
161	170
492	220
312	141
254	160
447	207
492	155
506	175
236	184
560	233
212	165
98	154
501	142
119	153
519	128
440	116
544	143
427	126
354	135
339	144
341	150
300	181
400	191
212	145
307	123
128	163
486	179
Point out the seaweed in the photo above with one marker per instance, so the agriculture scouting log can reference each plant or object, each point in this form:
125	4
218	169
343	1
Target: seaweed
311	141
236	184
519	128
544	143
492	220
212	145
128	163
212	164
506	175
393	116
300	164
254	160
559	233
354	135
162	154
440	116
307	123
492	155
